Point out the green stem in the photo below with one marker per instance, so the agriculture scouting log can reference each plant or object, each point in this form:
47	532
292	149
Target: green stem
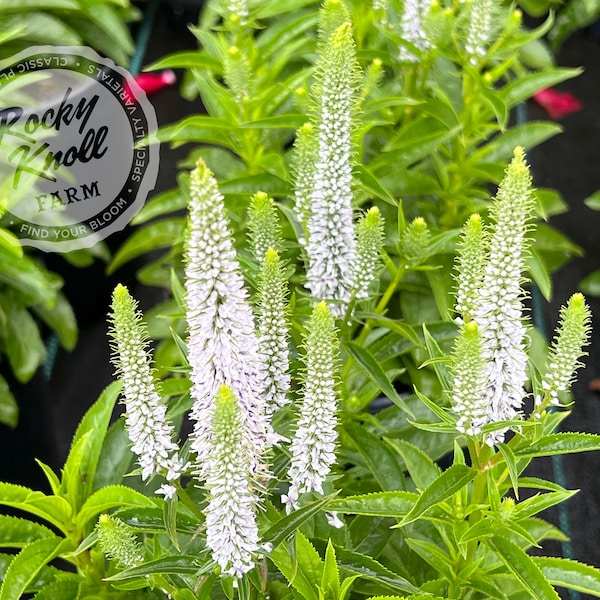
380	308
480	456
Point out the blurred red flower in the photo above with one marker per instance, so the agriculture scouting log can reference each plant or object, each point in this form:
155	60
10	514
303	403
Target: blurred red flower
557	104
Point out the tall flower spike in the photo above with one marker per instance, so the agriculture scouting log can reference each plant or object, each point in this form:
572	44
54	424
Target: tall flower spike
273	330
264	230
313	447
222	346
150	433
499	307
369	242
470	265
411	27
231	528
470	382
567	347
479	29
331	244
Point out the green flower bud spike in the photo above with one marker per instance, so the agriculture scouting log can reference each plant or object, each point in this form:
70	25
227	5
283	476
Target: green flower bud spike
231	527
237	73
470	264
303	161
571	336
273	330
119	542
469	385
264	229
415	240
313	446
369	243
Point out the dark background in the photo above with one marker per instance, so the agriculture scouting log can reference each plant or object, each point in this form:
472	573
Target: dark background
51	407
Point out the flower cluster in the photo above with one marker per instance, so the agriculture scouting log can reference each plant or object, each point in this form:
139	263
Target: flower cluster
231	528
222	346
342	256
331	243
470	264
479	29
313	446
149	431
497	307
411	28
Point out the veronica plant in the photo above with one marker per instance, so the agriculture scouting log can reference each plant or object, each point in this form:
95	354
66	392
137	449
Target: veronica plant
309	465
353	500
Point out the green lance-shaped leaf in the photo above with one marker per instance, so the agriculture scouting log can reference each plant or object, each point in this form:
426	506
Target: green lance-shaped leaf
570	574
558	443
27	564
525	570
373	370
448	483
287	525
379	504
181	564
80	467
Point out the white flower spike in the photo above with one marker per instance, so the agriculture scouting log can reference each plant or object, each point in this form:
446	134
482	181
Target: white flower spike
222	345
149	431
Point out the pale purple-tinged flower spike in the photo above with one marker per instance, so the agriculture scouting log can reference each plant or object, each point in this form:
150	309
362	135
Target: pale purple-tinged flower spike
331	244
567	348
479	29
411	27
499	309
313	446
150	432
470	266
231	527
273	330
222	345
469	401
369	243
